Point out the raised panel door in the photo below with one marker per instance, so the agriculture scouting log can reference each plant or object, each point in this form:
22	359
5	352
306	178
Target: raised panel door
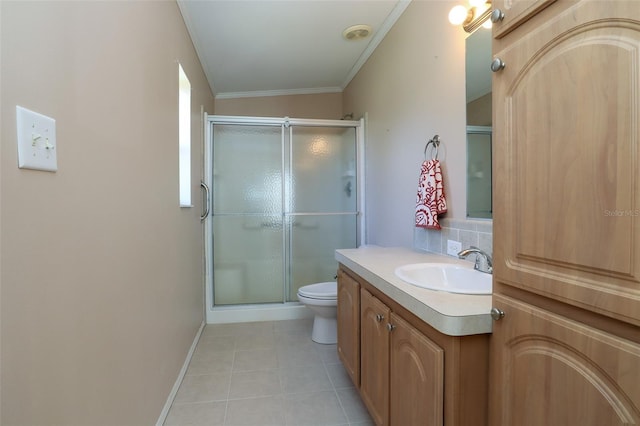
374	357
349	325
566	135
416	377
549	370
515	13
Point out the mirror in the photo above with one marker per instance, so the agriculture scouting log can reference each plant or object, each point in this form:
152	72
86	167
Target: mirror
479	121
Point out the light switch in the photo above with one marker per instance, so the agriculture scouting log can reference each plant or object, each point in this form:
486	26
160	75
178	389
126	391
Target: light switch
36	141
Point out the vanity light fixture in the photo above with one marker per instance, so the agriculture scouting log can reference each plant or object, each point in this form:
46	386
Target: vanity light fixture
472	17
357	32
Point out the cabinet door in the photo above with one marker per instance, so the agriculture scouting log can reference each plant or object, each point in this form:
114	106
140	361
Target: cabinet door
515	13
416	377
548	370
374	357
566	158
349	325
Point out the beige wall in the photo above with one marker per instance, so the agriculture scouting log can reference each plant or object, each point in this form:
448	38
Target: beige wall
479	111
322	105
412	87
101	271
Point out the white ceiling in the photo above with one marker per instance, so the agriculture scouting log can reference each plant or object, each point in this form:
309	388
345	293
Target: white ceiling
269	47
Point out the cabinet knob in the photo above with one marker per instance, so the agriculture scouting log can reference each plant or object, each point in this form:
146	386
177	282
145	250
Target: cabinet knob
390	327
497	314
497	64
379	317
497	15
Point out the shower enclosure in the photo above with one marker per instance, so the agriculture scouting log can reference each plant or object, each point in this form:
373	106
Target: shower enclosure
479	204
285	194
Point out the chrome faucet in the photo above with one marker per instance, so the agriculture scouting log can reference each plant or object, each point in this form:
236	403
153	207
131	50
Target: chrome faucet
483	260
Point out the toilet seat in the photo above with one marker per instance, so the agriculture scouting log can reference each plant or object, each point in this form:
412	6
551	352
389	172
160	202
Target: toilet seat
320	291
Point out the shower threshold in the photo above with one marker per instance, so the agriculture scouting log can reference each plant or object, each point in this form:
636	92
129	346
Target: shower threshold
258	312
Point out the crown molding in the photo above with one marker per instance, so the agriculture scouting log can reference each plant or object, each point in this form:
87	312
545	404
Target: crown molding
284	92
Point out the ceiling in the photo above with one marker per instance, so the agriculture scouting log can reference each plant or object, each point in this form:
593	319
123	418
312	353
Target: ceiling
271	47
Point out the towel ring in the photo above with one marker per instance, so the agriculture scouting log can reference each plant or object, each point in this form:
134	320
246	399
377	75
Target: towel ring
435	141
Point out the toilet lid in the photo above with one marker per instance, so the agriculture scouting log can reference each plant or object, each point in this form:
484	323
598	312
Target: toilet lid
328	290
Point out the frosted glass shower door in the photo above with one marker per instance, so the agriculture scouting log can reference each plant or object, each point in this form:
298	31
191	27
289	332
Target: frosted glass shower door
322	209
248	242
479	196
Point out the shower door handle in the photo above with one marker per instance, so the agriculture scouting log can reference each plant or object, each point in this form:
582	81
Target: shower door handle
207	200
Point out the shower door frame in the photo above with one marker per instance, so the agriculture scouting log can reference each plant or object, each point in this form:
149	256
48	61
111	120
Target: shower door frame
282	310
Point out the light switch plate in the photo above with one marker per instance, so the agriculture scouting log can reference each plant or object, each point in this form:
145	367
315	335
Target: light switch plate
454	247
36	141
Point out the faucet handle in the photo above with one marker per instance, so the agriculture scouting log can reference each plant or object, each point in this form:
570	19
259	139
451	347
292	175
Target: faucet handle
483	263
478	266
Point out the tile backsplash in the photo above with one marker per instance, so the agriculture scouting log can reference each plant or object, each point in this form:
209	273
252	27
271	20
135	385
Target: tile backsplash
478	233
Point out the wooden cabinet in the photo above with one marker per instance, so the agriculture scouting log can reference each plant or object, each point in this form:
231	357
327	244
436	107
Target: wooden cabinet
557	371
411	374
415	376
349	325
374	357
567	216
566	120
516	12
402	370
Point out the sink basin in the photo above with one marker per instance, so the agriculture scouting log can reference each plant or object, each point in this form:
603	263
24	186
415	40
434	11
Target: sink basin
446	277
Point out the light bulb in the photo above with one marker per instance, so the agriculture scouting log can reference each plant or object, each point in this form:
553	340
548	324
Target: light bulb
457	15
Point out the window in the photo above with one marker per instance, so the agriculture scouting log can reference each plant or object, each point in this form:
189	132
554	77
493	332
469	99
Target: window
184	137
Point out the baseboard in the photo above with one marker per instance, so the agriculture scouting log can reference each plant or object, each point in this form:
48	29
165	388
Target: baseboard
183	371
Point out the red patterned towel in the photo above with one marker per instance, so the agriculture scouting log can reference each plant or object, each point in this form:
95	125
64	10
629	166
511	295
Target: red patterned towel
430	201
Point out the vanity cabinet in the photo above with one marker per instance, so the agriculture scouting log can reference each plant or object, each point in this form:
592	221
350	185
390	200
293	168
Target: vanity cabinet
566	216
402	369
374	357
411	374
349	325
415	375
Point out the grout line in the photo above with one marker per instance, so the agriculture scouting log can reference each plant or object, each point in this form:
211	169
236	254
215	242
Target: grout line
344	412
319	350
233	361
335	392
279	394
226	410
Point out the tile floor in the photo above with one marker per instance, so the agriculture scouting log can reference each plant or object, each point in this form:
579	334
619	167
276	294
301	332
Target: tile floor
267	374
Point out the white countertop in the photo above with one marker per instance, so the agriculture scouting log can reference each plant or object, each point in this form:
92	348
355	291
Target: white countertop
449	313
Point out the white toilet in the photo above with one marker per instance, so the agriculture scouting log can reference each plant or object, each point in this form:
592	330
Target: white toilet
322	299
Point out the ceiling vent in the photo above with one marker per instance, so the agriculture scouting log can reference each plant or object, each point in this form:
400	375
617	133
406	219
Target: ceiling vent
357	32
